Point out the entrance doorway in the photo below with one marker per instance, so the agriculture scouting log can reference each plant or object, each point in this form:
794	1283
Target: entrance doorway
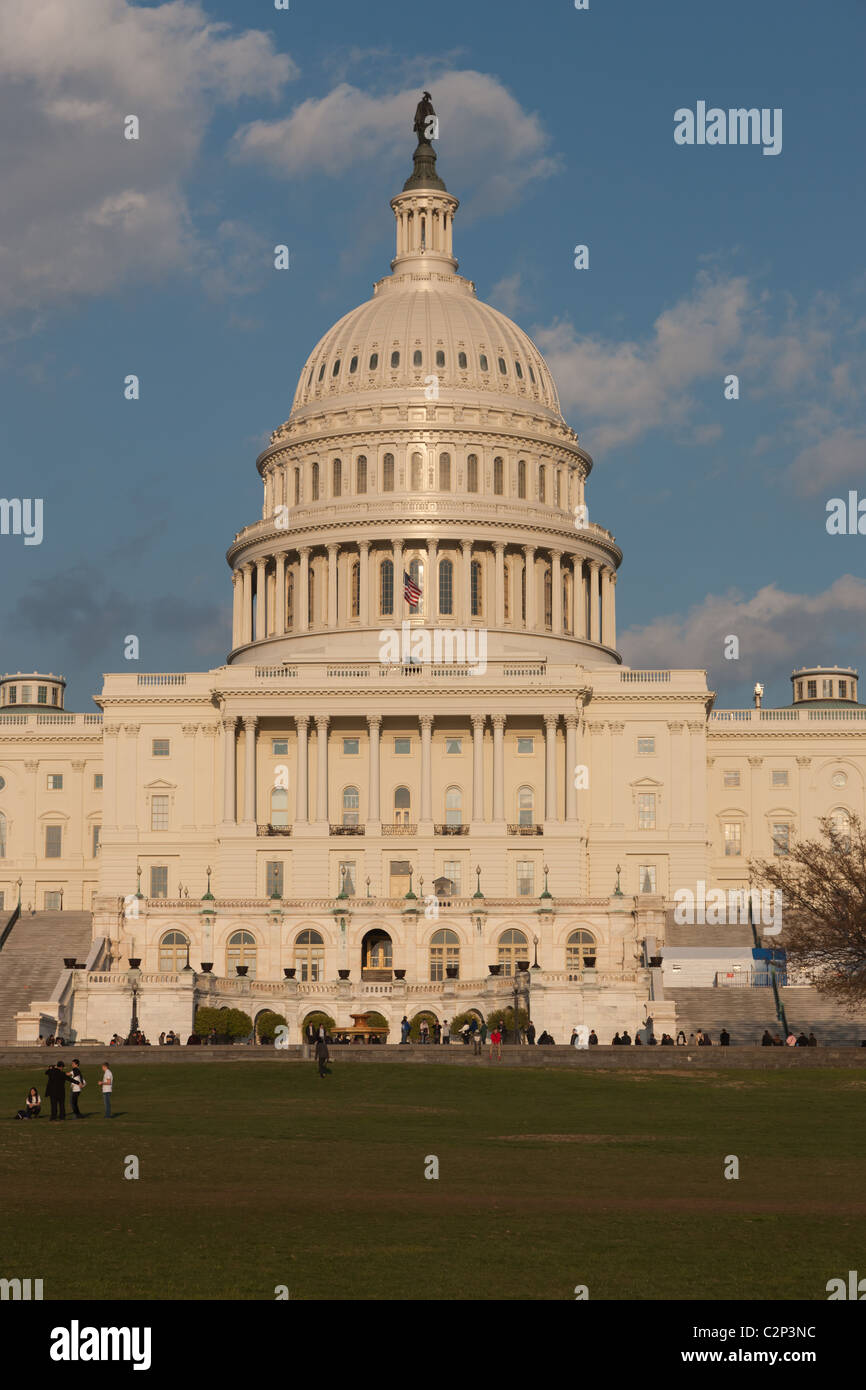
376	955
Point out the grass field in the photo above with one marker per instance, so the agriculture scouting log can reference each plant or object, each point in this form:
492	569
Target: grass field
264	1174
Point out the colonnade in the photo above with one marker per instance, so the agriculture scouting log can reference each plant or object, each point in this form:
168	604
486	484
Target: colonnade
232	725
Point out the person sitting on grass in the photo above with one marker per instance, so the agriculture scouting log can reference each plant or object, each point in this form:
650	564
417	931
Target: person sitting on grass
32	1106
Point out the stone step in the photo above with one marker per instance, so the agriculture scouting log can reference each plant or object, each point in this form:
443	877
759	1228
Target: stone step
32	959
747	1012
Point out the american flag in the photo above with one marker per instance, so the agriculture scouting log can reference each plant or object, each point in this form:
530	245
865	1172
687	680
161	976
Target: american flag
411	592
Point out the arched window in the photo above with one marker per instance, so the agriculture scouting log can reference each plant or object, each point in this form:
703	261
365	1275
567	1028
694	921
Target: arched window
444	950
386	587
482	362
417	358
417	473
557	487
314	488
454	806
402	806
361	474
519	370
498	477
353	366
416	574
311	596
279	806
542	483
579	953
444	472
374	361
525	806
446	588
462	361
521	478
336	368
440	358
321	371
388	473
395	360
512	947
476	588
840	822
355	588
502	367
472	473
241	951
2	836
173	952
338	477
531	374
351	804
290	599
297	486
309	956
548	597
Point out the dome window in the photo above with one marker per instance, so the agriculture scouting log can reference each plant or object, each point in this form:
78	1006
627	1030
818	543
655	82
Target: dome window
462	361
502	367
310	379
395	359
472	473
498	477
374	361
336	370
417	358
440	358
531	374
482	361
519	371
321	371
353	366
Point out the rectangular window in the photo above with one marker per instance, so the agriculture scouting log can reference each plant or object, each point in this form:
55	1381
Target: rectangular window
781	838
55	781
97	781
646	810
812	689
647	878
780	779
97	831
733	839
13	695
525	878
451	870
53	901
453	745
843	690
159	880
338	478
54	694
160	748
280	747
42	694
498	477
402	746
731	779
274	879
361	475
351	746
159	814
826	688
346	877
26	694
53	841
646	745
2	900
525	745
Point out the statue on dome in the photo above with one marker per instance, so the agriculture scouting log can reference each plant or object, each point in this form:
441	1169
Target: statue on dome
426	124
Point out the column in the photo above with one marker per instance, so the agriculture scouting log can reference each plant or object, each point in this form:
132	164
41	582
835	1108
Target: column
678	776
247	604
237	607
397	559
611	609
498	721
280	583
605	605
698	755
478	767
364	595
529	562
229	769
302	723
617	775
466	583
594	600
249	722
426	722
570	765
432	580
322	755
261	599
332	585
301	598
550	721
556	583
374	725
499	550
579	598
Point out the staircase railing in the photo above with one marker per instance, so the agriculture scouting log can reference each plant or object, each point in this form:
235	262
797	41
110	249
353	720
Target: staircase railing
9	925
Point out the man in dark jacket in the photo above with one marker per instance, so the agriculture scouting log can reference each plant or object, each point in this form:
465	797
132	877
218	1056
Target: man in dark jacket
626	1038
322	1055
724	1038
530	1033
55	1090
593	1039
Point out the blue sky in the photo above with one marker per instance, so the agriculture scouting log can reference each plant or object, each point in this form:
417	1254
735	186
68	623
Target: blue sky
261	126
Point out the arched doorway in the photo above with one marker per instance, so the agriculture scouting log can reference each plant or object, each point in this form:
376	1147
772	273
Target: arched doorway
376	955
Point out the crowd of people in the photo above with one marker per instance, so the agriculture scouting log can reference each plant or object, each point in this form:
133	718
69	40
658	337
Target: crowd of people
57	1080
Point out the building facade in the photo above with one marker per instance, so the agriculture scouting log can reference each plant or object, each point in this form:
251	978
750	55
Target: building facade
423	778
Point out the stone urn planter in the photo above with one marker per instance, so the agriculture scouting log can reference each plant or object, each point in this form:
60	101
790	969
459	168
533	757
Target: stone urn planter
69	962
451	972
655	961
343	974
399	974
134	962
494	969
523	965
242	970
206	967
289	971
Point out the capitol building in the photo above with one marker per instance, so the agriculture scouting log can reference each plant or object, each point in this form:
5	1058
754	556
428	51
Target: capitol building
423	778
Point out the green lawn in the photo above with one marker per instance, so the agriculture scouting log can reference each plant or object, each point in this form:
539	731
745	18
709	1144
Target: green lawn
259	1174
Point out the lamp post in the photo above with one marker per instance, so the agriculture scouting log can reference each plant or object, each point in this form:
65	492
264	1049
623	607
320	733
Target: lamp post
19	882
133	975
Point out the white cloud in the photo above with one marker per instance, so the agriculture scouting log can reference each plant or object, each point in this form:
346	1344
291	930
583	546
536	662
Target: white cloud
837	459
489	147
83	209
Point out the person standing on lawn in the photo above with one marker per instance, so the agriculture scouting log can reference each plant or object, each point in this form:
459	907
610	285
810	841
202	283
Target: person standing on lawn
322	1056
55	1090
107	1085
78	1084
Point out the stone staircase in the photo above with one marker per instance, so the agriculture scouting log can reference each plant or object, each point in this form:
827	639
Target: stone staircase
32	960
747	1012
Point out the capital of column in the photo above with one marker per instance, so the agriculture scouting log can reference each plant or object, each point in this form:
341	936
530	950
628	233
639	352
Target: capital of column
498	721
572	721
229	722
478	721
499	547
426	721
322	722
250	721
364	547
302	722
551	721
374	722
332	547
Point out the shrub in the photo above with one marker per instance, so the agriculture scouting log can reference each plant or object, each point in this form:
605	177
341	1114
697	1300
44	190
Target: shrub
205	1019
458	1021
267	1025
414	1025
317	1019
504	1018
237	1024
